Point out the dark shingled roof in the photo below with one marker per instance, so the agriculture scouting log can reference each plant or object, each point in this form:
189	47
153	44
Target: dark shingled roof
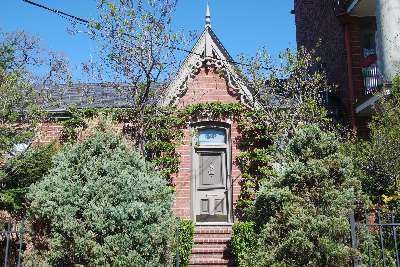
61	97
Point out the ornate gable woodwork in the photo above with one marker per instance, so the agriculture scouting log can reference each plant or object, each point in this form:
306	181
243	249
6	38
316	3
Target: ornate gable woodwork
208	52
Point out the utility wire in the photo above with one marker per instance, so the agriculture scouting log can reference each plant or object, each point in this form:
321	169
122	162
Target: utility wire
58	12
82	21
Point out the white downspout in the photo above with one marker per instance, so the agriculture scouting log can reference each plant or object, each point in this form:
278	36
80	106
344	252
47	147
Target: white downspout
388	37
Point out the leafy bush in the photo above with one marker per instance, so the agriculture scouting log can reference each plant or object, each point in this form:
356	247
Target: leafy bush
186	233
242	241
101	204
378	157
302	215
18	173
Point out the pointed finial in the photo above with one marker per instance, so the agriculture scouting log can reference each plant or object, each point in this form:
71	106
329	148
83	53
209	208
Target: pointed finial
208	16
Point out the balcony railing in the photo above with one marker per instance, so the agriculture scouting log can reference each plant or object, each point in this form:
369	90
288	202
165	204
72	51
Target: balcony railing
372	79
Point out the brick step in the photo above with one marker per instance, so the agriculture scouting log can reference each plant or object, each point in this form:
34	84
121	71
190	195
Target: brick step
208	255
208	249
210	246
208	262
216	240
213	235
213	230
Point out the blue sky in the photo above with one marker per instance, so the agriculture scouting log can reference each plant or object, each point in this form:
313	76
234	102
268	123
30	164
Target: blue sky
242	26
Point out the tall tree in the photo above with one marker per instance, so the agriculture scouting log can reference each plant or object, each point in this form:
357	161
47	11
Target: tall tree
21	109
20	102
289	93
139	52
138	46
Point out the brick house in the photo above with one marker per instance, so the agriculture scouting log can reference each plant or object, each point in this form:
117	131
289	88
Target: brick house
207	184
359	50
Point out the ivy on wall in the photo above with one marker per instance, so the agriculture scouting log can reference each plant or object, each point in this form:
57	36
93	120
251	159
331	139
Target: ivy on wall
258	136
158	132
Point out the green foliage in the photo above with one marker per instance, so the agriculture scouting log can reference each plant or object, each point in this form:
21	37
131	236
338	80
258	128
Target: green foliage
302	215
378	157
19	172
212	111
186	234
101	204
17	100
156	131
242	241
289	95
258	136
21	104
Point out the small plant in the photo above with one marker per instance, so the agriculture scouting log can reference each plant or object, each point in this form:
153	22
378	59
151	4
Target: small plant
242	241
186	233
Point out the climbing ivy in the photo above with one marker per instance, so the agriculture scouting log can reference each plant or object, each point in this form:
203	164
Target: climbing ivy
258	136
156	131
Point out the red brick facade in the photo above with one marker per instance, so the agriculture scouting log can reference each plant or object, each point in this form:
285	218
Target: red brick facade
48	133
206	86
317	22
327	22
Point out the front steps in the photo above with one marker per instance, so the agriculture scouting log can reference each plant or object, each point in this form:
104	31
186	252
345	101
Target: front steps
210	247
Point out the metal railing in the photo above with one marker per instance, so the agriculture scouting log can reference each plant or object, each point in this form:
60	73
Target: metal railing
373	80
12	237
377	235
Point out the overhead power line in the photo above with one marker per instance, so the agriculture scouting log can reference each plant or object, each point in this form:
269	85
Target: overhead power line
73	18
58	12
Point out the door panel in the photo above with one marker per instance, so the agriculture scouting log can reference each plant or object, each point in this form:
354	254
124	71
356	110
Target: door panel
211	194
211	172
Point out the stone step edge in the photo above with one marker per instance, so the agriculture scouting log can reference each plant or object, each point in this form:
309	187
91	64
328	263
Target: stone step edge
206	250
218	240
206	230
207	261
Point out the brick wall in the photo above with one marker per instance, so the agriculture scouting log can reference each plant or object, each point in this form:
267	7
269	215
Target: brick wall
206	86
317	21
48	133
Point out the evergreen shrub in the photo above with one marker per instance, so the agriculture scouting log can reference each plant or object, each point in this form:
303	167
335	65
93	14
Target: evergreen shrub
302	215
101	204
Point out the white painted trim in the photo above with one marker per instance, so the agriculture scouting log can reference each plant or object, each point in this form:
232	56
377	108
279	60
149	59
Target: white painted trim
370	102
367	103
353	5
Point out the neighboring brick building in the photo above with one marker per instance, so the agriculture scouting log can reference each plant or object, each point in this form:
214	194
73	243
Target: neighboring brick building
359	49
